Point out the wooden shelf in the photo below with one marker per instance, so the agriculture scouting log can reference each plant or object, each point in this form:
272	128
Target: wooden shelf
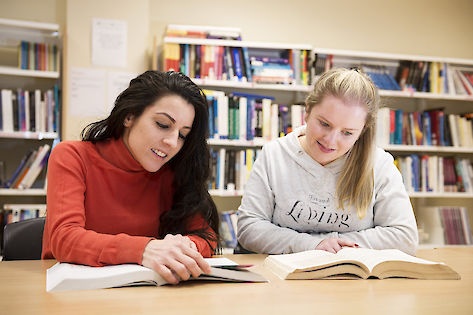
29	73
22	192
29	135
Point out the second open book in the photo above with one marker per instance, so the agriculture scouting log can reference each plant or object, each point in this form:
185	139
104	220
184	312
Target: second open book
356	263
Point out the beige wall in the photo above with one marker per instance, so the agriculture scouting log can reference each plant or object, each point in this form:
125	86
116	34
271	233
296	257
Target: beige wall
78	51
420	27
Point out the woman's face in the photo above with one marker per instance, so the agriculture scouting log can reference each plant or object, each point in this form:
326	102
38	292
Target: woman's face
158	134
333	126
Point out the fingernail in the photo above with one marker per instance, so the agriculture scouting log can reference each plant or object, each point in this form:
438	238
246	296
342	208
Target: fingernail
356	245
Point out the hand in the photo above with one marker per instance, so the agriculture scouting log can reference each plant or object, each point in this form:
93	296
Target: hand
174	258
333	244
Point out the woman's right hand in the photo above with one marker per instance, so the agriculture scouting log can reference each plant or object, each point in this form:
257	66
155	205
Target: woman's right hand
174	258
334	244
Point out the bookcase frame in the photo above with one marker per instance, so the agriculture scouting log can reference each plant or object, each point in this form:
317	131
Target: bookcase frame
13	144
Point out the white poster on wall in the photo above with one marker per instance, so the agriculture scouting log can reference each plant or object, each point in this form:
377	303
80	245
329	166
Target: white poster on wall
87	92
117	82
94	91
109	42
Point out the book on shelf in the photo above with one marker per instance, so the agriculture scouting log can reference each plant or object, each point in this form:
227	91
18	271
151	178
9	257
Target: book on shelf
230	167
25	110
239	62
66	276
18	212
38	56
431	127
356	263
29	168
432	173
36	167
228	225
444	225
7	110
203	31
21	169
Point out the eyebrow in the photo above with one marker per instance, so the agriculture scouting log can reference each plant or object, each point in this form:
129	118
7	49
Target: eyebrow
323	118
171	118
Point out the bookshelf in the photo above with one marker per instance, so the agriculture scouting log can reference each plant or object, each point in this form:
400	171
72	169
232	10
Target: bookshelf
407	96
416	92
30	77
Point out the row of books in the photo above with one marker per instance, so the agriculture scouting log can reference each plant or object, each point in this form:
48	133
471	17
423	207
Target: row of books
435	77
423	76
245	64
231	167
430	127
405	75
38	56
228	229
460	80
19	212
444	225
425	173
248	117
203	31
30	110
382	76
29	168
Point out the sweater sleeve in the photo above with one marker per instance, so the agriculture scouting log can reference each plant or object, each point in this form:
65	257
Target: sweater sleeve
65	237
394	224
205	248
256	230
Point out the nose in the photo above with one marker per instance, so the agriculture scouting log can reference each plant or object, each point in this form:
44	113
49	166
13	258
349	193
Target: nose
172	139
330	138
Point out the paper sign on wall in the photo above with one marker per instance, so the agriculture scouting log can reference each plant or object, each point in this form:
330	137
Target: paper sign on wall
109	42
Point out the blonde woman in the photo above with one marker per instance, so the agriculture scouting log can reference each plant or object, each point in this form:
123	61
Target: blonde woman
326	185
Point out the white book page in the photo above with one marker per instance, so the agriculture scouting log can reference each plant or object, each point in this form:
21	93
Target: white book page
372	257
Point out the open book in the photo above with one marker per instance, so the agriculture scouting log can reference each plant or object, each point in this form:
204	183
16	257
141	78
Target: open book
65	276
356	263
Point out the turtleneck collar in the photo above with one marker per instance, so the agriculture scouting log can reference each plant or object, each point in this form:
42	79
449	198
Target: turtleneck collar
117	154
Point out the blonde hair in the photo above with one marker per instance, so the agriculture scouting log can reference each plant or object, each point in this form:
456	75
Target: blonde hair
355	185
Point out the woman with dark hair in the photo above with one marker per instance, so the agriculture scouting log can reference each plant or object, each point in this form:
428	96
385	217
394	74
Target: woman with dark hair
134	189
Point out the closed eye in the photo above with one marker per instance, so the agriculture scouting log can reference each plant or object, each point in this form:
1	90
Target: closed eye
163	126
323	123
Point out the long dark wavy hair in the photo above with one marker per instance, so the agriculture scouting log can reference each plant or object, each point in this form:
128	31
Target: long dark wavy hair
190	165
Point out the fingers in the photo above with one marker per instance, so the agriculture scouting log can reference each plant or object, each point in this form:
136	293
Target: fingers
175	258
343	242
333	245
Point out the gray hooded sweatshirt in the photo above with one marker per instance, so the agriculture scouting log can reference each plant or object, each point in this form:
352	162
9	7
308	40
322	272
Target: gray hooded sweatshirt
289	204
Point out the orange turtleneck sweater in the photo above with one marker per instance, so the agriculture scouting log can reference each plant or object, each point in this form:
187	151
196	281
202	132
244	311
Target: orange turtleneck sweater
102	207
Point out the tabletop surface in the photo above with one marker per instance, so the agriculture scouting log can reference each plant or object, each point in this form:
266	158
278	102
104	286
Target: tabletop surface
22	291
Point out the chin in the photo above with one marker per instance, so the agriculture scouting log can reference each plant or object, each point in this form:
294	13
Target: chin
152	168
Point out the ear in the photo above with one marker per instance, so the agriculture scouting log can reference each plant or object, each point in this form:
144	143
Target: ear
128	121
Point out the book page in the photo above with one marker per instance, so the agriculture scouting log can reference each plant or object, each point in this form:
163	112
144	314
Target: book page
373	257
308	260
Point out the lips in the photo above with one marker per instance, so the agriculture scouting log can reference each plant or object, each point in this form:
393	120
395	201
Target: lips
159	153
324	149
